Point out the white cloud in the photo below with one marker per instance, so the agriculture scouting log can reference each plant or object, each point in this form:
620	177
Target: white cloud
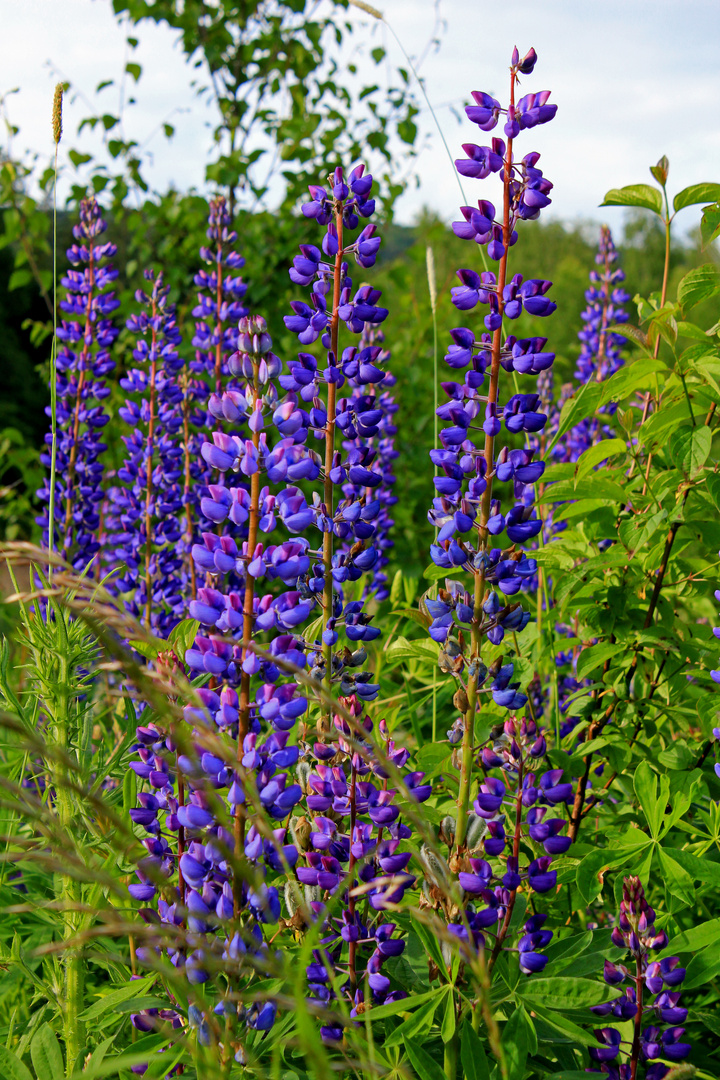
633	79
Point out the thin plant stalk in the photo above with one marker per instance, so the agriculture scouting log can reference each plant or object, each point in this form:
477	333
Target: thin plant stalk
57	135
432	289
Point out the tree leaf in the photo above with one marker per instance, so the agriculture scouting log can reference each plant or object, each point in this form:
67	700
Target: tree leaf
632	377
425	1067
635	195
11	1067
472	1055
698	285
710	225
582	405
592	658
690	448
604	450
696	193
46	1054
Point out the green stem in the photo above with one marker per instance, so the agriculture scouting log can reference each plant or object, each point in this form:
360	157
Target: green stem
53	382
450	1057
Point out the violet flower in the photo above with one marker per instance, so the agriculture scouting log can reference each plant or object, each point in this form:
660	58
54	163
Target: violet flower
359	847
83	362
653	995
471	511
520	810
148	510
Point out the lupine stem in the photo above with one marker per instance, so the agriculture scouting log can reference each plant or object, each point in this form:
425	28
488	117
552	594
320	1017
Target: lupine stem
352	946
329	453
149	467
635	1054
489	452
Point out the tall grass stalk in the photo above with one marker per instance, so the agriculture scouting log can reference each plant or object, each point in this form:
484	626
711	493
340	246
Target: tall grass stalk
432	289
57	135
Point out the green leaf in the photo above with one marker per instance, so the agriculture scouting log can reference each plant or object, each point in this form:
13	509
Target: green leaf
560	952
447	1028
690	448
183	635
702	968
425	1066
564	992
404	1005
79	159
472	1055
431	943
116	997
420	1021
46	1054
134	70
698	285
695	939
635	195
591	871
572	1032
710	225
419	649
704	870
677	880
592	658
12	1068
605	449
632	377
515	1042
696	193
581	406
651	803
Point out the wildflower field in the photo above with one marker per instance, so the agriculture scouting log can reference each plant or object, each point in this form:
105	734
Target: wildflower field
358	689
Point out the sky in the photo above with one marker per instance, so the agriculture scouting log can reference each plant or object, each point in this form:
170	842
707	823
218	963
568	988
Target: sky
633	79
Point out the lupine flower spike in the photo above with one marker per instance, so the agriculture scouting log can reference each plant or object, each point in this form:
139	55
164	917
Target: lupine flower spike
653	994
83	363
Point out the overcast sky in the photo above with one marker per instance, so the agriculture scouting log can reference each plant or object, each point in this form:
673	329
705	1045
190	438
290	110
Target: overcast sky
633	79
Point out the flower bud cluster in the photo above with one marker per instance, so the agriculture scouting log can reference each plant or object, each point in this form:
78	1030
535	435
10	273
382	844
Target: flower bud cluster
83	362
658	980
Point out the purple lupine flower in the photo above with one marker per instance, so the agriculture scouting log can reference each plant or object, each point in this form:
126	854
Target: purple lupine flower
83	362
147	512
653	994
366	419
467	510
